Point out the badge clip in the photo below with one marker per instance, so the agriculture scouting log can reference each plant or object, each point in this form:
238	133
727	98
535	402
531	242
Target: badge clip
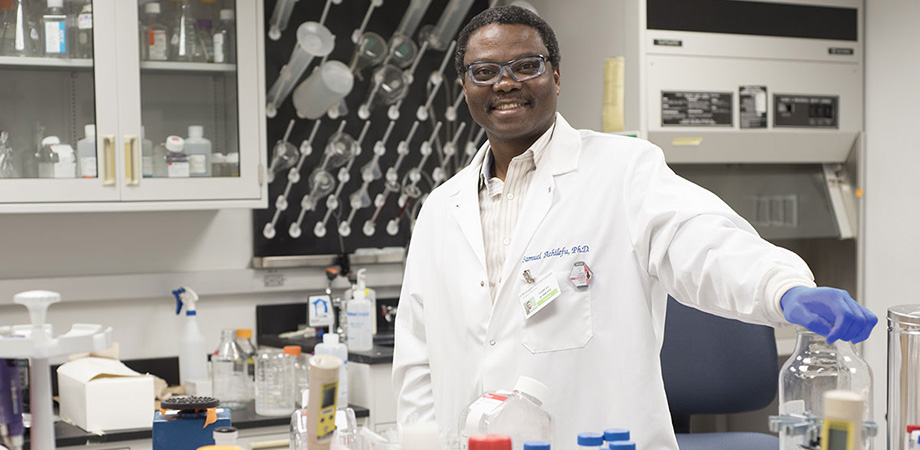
528	277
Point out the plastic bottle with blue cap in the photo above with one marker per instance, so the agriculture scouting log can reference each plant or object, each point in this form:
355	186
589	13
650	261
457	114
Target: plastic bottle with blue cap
192	354
616	435
590	441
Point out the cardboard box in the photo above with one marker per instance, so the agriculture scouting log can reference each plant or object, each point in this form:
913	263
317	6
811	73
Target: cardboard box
99	394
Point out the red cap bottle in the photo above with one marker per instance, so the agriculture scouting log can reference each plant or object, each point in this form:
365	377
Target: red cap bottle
490	442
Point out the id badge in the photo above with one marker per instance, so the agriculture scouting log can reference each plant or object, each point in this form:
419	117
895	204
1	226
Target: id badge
538	294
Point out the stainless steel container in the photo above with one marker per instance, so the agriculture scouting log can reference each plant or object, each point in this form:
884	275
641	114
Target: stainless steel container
903	373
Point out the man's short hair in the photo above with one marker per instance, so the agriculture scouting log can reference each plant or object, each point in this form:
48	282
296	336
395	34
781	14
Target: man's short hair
507	15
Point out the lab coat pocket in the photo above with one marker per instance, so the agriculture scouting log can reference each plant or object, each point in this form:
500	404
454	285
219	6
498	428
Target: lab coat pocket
564	324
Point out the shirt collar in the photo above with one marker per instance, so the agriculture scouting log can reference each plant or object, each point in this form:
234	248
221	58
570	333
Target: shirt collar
538	149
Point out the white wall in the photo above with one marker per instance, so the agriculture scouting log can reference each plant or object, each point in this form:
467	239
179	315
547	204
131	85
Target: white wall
117	269
893	157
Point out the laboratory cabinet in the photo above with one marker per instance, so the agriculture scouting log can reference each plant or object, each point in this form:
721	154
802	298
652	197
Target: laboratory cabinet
113	105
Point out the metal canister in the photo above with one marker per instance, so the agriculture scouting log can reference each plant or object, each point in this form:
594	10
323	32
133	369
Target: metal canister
903	374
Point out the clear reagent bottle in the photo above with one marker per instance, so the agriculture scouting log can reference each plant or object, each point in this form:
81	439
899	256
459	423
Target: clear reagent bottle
199	152
54	30
518	414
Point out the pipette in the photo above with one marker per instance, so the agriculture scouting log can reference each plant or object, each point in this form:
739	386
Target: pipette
306	148
313	39
356	35
284	154
280	17
412	17
339	150
436	79
332	202
449	23
370	172
410	189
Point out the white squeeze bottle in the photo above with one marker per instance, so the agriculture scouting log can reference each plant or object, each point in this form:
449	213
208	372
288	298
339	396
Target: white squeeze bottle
359	315
192	354
199	152
332	346
86	152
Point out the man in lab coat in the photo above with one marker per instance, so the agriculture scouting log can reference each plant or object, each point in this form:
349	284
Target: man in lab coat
602	227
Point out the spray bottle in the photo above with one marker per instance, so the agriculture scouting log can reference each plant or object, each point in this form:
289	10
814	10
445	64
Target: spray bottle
192	353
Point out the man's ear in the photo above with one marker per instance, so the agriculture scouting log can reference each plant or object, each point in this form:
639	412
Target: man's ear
557	78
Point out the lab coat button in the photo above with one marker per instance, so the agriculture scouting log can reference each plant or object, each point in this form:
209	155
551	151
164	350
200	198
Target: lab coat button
510	196
506	241
492	342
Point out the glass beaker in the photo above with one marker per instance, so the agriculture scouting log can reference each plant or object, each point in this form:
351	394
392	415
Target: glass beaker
814	368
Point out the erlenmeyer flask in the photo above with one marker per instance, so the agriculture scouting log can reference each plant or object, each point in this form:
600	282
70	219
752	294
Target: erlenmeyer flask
389	86
402	51
814	368
370	51
284	156
340	149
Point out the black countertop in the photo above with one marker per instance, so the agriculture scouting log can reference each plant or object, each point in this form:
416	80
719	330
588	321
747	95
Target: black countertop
67	435
379	354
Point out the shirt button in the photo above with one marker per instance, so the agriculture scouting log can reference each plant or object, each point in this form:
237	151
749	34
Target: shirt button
506	241
510	196
492	342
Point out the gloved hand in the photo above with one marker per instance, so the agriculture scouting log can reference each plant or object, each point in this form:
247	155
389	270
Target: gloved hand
830	312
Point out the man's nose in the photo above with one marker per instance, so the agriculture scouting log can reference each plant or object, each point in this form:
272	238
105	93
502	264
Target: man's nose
506	83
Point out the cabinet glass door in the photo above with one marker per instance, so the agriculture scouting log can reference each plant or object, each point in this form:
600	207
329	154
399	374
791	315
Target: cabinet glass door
190	103
52	135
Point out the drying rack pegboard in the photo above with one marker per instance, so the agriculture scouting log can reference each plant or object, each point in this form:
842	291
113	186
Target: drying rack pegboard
288	227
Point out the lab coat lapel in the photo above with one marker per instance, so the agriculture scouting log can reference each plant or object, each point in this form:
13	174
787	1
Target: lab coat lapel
465	206
561	157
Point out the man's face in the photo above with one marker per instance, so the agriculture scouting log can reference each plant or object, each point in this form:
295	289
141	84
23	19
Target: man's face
511	110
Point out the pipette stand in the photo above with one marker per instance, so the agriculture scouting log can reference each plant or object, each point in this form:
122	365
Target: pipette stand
35	343
809	427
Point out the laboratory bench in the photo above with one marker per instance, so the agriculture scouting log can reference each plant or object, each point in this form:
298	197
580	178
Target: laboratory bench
246	420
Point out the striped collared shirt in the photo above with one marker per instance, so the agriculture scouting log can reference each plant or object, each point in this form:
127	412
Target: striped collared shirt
500	203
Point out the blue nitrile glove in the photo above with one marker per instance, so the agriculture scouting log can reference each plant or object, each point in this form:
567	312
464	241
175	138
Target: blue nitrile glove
830	312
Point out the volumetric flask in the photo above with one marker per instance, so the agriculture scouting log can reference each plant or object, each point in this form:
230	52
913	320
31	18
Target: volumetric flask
449	23
413	17
323	89
280	17
402	51
340	149
903	373
814	368
389	86
370	50
313	39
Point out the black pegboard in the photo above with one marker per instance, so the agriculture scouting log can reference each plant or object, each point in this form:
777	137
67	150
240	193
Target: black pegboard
342	19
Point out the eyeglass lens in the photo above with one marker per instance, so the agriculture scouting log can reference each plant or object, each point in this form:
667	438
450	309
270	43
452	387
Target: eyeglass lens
521	70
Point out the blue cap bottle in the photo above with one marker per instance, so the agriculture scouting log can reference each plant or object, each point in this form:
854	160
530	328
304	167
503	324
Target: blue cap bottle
536	445
616	434
623	445
591	440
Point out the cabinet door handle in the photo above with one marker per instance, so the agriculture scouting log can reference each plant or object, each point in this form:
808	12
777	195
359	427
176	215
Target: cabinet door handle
108	160
132	161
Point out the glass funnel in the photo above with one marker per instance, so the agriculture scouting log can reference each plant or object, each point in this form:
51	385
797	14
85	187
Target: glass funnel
389	86
370	51
340	149
814	368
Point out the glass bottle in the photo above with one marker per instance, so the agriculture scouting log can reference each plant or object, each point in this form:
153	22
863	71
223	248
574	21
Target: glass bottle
54	30
230	372
204	50
8	166
274	383
518	414
154	35
224	38
82	41
814	368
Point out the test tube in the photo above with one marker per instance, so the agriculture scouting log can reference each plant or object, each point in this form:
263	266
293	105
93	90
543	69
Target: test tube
412	17
280	17
323	89
449	23
313	40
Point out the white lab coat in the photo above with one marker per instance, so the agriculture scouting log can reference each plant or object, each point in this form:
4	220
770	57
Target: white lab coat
610	202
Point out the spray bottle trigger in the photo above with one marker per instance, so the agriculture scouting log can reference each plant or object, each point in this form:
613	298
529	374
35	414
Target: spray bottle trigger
178	294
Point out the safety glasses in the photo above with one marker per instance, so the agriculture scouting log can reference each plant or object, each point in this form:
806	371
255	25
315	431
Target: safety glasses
486	73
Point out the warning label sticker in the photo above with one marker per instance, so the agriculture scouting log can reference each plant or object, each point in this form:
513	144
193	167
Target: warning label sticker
696	108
